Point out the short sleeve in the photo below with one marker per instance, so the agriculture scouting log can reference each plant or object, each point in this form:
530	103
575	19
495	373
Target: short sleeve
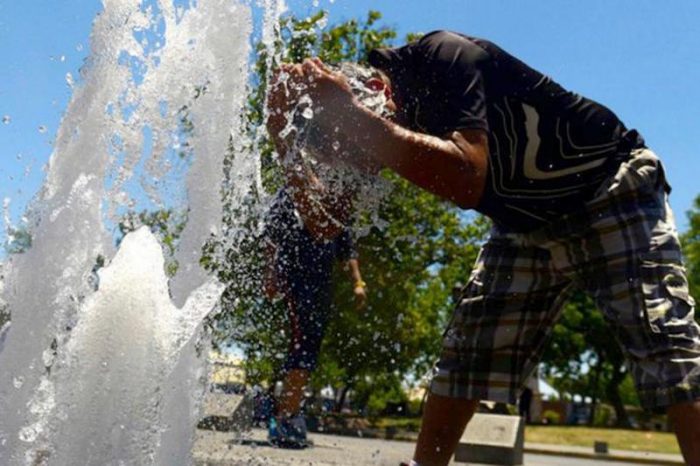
345	247
453	96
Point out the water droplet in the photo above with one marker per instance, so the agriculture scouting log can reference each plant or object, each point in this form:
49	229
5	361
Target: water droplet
307	113
42	129
48	357
6	119
69	80
336	146
18	382
79	47
28	434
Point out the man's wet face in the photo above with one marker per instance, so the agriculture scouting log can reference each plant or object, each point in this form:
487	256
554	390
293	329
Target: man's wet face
384	85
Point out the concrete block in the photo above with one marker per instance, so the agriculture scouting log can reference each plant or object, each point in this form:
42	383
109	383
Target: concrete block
242	416
228	411
492	439
600	447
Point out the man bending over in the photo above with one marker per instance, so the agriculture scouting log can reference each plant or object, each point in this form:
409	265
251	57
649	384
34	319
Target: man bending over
577	201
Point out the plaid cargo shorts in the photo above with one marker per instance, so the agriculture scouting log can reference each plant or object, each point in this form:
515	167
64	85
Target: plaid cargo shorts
623	251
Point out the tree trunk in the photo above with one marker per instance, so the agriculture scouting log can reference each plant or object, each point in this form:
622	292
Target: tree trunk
341	399
613	392
594	390
591	415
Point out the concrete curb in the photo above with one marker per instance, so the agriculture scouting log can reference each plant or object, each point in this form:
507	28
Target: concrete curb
657	459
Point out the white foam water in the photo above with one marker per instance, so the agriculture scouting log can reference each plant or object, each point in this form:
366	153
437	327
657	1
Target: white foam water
112	376
128	338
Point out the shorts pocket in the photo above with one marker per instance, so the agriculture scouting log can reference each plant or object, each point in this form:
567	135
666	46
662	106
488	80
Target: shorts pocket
668	306
646	170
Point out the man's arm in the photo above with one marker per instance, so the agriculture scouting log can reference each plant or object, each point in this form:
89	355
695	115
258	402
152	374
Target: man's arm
270	279
452	167
325	218
359	286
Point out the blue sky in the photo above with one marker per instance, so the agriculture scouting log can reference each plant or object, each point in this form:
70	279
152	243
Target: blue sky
639	57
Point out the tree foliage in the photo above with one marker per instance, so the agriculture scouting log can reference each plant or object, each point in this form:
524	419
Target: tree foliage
691	249
584	358
166	224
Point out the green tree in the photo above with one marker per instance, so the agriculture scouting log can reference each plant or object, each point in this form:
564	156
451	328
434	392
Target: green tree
166	224
584	358
4	311
19	240
410	267
691	249
410	264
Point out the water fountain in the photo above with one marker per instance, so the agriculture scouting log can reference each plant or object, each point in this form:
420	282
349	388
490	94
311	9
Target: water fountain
112	376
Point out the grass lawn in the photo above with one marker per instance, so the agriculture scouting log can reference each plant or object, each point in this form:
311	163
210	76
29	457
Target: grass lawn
621	439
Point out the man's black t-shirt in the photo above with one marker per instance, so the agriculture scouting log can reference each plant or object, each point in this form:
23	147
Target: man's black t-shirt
550	149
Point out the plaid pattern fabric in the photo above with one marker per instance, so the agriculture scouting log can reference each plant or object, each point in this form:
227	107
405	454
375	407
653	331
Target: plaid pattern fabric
622	250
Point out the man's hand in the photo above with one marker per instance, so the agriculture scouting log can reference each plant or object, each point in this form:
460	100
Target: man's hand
308	84
327	88
278	105
360	287
360	296
270	285
287	85
270	288
297	86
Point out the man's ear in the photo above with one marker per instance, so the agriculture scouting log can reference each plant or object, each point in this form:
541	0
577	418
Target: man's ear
378	85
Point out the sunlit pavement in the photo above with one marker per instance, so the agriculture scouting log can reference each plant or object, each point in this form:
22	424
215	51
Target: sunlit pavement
223	448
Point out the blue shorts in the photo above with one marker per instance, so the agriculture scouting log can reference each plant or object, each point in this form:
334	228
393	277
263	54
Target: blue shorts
309	310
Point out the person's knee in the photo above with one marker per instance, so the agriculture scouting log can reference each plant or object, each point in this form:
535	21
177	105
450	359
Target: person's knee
679	412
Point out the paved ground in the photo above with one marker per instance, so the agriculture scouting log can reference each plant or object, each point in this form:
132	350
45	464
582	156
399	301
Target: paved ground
224	449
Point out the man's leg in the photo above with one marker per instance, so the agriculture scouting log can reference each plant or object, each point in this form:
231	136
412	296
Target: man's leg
293	387
494	340
630	261
685	418
444	420
308	317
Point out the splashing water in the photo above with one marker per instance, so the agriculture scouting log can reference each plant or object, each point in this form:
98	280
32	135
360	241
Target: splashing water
100	366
